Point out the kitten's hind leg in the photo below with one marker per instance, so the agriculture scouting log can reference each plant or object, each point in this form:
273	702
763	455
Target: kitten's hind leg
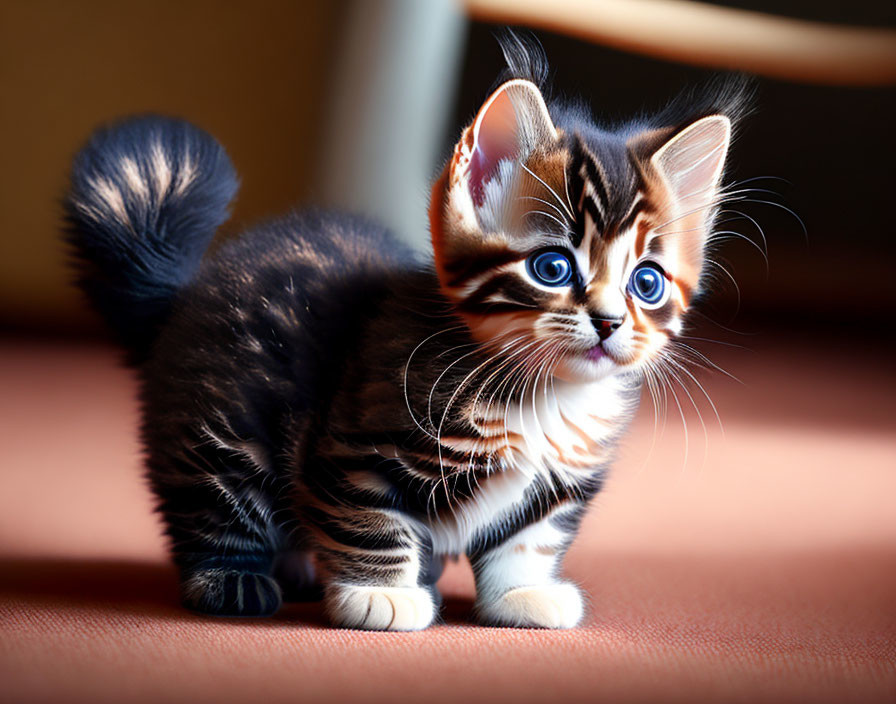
219	514
518	581
376	568
231	591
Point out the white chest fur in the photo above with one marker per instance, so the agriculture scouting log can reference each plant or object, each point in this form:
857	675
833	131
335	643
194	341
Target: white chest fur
565	426
561	427
496	495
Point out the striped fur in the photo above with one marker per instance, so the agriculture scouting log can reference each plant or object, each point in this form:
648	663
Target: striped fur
320	406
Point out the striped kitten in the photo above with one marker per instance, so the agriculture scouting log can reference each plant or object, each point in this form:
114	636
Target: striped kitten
323	411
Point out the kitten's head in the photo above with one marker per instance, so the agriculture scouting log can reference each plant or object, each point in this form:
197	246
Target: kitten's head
560	240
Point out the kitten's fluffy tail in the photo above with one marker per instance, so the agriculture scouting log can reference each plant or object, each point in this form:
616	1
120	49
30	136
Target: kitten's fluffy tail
146	198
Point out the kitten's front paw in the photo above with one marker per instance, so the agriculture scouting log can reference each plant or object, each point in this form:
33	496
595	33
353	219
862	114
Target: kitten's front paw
545	606
229	592
380	608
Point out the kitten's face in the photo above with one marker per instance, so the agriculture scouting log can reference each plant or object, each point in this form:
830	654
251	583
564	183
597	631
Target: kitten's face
579	251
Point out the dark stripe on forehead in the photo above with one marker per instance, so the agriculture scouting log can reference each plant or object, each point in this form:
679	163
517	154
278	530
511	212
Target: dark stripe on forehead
584	171
597	180
576	183
613	185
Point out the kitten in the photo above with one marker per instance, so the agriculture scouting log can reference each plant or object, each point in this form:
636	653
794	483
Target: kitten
320	407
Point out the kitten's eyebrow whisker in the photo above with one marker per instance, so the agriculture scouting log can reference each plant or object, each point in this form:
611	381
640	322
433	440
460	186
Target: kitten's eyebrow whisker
684	215
677	232
743	191
562	224
566	191
553	192
720	235
722	197
542	200
785	208
761	178
756	224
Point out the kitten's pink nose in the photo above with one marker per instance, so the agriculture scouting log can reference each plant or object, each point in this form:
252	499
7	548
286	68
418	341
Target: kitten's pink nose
605	326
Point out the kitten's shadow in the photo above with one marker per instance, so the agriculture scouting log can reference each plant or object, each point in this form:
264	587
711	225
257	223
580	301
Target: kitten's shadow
145	588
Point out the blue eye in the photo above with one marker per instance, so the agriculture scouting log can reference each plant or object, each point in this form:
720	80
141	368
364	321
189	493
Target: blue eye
648	283
550	268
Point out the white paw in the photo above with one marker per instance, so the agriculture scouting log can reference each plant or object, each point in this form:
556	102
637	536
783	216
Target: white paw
380	608
545	606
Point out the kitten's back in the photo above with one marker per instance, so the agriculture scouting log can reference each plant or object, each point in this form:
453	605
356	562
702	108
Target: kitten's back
262	331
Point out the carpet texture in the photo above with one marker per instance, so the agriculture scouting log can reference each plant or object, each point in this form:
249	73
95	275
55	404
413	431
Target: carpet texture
754	563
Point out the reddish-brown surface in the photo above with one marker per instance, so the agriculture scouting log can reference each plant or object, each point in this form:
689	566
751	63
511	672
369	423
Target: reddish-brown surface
758	566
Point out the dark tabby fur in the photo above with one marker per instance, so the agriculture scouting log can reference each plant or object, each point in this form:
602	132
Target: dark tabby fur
320	406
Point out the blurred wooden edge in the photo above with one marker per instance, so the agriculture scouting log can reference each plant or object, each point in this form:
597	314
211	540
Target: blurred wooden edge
705	35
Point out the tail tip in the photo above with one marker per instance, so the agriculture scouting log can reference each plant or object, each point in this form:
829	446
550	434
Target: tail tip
132	172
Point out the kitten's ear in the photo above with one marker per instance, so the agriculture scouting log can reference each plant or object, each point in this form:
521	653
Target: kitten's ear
510	125
689	165
477	207
691	162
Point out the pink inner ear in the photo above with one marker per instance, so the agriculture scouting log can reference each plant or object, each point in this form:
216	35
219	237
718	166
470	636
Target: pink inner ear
496	137
692	161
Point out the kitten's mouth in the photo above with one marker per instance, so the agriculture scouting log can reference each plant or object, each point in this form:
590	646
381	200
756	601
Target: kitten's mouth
587	364
596	353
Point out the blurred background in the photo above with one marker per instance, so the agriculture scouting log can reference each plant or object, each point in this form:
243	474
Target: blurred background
355	104
752	554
